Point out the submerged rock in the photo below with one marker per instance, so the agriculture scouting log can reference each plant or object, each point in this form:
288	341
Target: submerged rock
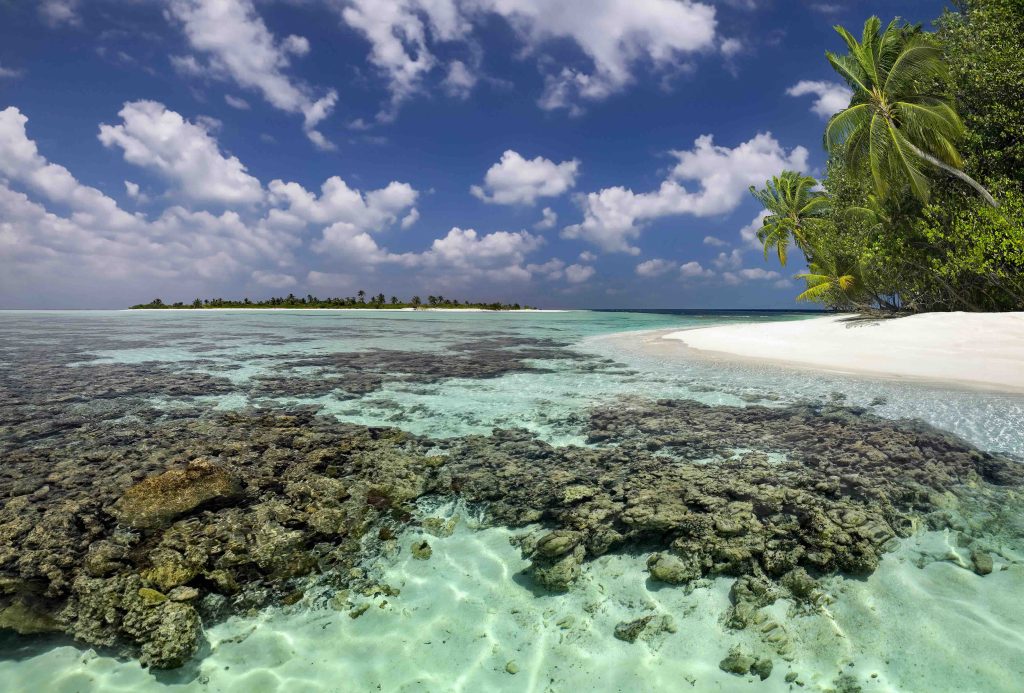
157	500
982	562
666	567
629	631
274	499
421	550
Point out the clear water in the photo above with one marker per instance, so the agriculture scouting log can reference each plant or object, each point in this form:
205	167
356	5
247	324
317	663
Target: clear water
922	621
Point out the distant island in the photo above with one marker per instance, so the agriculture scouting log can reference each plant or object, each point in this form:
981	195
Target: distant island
360	300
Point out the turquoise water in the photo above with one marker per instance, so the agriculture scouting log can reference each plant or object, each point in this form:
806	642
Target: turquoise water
924	620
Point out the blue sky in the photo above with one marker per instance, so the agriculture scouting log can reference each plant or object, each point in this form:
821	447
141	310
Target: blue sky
580	153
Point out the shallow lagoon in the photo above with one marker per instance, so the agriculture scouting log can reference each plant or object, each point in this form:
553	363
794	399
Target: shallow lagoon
466	618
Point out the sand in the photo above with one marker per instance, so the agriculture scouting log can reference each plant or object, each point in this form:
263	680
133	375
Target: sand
984	350
466	618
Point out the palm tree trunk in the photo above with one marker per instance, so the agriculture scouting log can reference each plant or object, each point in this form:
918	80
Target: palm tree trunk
953	171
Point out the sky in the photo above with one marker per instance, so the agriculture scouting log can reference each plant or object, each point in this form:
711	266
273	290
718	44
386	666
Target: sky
558	153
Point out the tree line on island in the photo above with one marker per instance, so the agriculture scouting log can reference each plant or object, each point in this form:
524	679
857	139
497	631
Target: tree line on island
360	300
922	204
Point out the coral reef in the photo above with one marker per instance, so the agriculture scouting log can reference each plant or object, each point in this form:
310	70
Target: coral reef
128	526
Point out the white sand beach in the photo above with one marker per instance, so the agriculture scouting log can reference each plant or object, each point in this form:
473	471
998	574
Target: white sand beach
977	349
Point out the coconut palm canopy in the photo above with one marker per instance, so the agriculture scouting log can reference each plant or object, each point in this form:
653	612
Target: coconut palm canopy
794	208
900	119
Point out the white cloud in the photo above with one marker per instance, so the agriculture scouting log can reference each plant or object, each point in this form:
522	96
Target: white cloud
6	72
552	269
655	267
733	260
274	280
616	37
613	217
132	189
238	46
749	232
750	274
731	47
548	219
694	270
411	218
161	140
460	80
515	180
57	12
236	102
577	274
296	207
714	241
830	97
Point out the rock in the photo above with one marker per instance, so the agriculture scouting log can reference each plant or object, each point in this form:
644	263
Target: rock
560	573
151	597
169	570
629	631
157	500
982	562
647	627
762	668
183	594
512	667
439	527
557	543
736	662
359	610
791	677
104	558
421	550
666	567
26	619
173	637
801	585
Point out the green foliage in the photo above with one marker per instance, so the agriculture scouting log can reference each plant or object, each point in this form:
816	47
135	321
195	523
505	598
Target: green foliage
900	118
796	209
311	301
984	48
898	233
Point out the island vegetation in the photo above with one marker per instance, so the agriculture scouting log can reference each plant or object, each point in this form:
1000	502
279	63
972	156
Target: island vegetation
922	204
360	300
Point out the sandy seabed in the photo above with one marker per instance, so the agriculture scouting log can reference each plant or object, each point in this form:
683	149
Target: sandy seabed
467	620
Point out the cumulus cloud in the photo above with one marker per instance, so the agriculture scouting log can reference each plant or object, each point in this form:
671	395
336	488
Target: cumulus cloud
274	280
577	274
750	274
548	219
238	46
732	260
618	36
714	241
93	242
460	80
655	267
9	73
515	180
57	12
462	253
694	270
295	207
613	217
184	153
749	232
236	102
830	97
587	256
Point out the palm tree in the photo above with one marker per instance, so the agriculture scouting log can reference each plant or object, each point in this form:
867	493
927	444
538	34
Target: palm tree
897	118
830	277
794	206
